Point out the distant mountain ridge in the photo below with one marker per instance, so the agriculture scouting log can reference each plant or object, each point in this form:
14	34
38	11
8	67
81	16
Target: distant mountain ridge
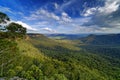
66	36
92	39
108	39
34	34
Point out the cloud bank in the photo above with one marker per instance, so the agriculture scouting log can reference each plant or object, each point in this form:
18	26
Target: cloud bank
69	16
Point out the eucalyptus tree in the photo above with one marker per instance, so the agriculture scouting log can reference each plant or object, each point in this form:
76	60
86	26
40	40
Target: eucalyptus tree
3	21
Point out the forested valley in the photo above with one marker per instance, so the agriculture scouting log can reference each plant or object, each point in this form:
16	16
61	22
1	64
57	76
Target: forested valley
26	56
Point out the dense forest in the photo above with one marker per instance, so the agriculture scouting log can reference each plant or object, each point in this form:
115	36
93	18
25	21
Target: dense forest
36	57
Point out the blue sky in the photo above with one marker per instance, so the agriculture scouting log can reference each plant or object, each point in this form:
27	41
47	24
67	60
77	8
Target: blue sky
64	16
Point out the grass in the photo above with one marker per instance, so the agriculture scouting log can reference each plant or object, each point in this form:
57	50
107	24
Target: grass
29	50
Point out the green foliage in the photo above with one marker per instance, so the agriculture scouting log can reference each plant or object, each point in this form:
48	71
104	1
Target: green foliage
15	30
60	77
62	64
3	18
28	75
12	31
18	70
48	69
108	39
7	45
37	73
79	64
41	58
11	73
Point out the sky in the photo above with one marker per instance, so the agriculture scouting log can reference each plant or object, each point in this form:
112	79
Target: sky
64	16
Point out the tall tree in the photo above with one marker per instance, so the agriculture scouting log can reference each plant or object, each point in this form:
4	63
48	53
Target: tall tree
3	20
16	30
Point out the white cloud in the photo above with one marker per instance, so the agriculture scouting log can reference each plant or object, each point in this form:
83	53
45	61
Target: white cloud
25	25
56	5
21	23
41	24
65	18
66	4
48	29
33	17
82	29
5	9
42	15
90	29
47	14
110	6
106	18
64	14
89	11
54	16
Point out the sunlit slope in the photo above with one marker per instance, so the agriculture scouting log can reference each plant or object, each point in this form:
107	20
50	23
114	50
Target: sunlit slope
41	40
29	50
65	68
99	66
24	57
29	56
70	65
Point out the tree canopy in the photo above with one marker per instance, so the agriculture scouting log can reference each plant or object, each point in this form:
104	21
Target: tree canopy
12	30
16	28
4	18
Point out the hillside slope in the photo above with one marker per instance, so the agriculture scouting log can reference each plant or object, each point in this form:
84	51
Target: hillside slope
106	45
28	59
66	36
41	58
95	63
41	40
110	39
